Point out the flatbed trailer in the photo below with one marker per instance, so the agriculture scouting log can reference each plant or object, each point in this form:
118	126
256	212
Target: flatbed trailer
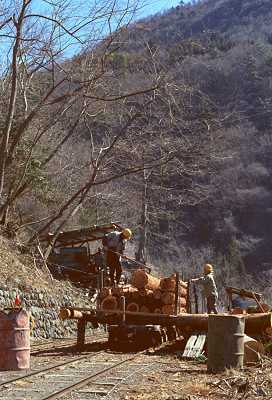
171	325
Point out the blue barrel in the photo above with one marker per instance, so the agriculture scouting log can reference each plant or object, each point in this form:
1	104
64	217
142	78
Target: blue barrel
225	342
14	340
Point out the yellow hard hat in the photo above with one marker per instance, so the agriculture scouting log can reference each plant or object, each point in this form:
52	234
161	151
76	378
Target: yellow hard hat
208	268
127	233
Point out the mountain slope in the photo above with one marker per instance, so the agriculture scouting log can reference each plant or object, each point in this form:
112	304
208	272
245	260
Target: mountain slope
224	48
232	17
211	67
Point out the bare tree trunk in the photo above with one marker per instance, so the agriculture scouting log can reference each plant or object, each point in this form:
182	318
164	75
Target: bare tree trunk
82	192
21	186
141	252
13	95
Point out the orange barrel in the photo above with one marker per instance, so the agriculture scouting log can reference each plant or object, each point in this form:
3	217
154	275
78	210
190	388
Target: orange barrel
225	342
14	340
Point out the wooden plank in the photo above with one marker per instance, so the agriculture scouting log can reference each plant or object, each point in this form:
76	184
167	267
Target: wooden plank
189	345
198	346
194	346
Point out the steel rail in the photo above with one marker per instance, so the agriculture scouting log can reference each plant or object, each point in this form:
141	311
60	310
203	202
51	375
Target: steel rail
85	381
41	342
58	342
125	378
49	368
46	342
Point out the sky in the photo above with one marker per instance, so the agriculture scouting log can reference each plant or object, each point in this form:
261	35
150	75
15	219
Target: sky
76	11
160	5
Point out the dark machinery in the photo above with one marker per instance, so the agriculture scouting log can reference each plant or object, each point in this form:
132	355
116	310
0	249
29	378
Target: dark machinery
141	337
71	257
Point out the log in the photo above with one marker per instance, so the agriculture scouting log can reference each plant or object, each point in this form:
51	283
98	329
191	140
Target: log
143	280
254	323
252	350
104	292
131	295
182	292
183	284
148	301
109	303
132	289
182	302
65	313
135	296
133	307
168	284
168	309
75	314
168	297
191	322
144	292
150	296
117	291
144	309
157	294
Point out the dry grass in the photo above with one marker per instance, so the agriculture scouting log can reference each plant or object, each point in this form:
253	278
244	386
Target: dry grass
21	270
181	380
16	268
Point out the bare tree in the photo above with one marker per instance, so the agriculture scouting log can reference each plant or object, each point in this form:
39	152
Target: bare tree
39	88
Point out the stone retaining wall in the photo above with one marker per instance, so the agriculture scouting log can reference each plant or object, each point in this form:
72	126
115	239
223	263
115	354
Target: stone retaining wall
44	308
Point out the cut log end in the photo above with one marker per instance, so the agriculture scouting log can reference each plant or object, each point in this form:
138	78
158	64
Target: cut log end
143	280
64	314
144	309
109	303
133	307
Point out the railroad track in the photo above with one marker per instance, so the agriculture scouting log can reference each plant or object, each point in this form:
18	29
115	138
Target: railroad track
41	346
93	375
78	377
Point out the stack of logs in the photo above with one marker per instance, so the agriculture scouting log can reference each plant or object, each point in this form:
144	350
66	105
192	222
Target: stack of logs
146	294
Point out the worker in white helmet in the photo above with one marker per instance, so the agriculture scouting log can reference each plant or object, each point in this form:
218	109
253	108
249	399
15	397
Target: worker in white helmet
114	245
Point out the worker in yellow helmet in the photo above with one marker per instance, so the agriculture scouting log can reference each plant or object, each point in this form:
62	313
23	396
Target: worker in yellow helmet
114	245
209	288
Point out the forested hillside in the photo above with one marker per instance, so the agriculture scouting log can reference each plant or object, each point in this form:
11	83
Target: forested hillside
164	126
224	49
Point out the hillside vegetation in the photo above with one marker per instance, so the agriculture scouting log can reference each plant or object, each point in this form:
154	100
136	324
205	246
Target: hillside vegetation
164	126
